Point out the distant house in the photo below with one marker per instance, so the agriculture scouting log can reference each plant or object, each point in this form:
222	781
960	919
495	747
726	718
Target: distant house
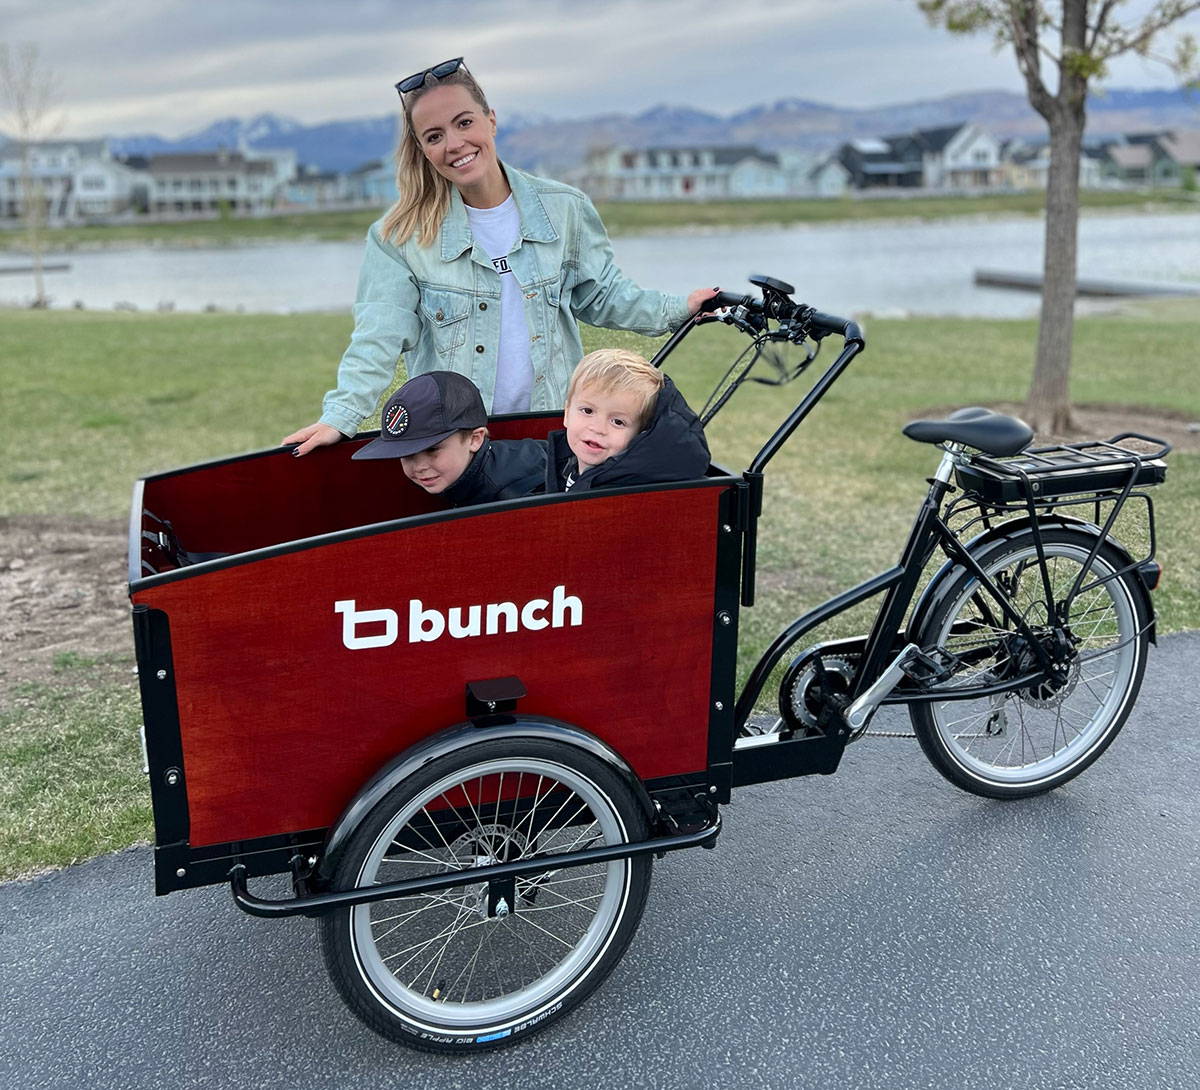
1156	159
955	157
828	178
686	173
317	188
210	181
75	180
875	163
1027	166
374	183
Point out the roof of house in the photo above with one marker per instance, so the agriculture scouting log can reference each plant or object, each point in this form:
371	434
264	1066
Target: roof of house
937	139
86	149
1131	156
189	162
722	156
1183	146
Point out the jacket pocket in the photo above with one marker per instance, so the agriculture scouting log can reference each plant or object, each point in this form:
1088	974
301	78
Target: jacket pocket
444	313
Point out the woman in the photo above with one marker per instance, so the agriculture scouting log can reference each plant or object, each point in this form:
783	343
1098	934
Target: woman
479	268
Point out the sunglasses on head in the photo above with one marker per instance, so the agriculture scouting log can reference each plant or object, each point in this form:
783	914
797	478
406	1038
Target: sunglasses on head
438	71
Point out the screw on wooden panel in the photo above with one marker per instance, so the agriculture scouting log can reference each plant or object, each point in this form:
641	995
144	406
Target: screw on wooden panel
724	618
719	706
172	776
182	872
161	675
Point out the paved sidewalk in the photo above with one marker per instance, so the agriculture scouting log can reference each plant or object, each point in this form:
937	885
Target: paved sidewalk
876	928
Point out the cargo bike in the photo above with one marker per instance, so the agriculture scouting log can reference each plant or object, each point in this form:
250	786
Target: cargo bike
466	734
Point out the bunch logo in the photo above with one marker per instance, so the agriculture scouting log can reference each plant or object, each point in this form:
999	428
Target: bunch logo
427	624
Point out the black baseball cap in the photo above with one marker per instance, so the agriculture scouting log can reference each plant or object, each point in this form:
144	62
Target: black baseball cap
423	412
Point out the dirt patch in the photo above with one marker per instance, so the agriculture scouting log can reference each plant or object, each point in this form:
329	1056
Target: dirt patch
1181	430
63	600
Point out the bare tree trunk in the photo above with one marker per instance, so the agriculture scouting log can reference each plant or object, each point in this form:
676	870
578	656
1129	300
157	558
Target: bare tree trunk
1048	407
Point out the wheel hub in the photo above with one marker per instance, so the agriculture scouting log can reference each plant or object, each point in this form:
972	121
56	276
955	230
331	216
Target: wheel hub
1058	681
485	846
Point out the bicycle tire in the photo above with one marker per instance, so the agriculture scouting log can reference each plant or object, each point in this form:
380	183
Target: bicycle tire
1026	742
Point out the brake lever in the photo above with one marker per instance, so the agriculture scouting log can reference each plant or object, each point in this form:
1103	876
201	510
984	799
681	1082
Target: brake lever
744	320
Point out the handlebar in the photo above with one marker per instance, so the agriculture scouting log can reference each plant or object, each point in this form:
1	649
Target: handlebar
750	315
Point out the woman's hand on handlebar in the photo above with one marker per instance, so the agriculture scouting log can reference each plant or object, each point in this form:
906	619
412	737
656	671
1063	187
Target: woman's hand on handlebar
701	296
315	435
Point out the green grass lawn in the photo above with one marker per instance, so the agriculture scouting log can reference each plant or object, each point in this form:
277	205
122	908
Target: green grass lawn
95	400
621	217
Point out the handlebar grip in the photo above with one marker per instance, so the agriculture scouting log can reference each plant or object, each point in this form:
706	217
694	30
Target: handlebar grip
847	328
724	299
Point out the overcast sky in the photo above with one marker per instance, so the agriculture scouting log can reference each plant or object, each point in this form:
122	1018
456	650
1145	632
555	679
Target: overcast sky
173	66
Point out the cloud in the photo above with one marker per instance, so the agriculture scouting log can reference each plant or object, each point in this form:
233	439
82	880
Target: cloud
171	66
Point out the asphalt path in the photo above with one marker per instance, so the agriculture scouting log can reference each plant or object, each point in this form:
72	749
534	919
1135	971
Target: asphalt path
876	928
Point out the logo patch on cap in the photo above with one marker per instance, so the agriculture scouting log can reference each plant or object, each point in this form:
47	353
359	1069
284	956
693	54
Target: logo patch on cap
395	420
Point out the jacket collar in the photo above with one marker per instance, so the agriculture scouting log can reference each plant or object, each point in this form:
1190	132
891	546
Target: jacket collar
535	223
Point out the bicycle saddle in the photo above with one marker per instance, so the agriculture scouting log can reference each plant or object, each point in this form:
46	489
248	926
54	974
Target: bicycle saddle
982	429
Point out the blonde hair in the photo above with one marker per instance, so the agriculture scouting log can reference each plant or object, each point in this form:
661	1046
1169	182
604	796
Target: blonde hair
610	370
424	194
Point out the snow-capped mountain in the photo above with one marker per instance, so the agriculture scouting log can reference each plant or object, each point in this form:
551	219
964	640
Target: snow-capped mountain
531	140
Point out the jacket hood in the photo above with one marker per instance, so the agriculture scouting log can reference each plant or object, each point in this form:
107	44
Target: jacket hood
671	447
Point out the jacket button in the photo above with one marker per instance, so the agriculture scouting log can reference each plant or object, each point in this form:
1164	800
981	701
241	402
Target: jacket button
483	306
439	316
479	348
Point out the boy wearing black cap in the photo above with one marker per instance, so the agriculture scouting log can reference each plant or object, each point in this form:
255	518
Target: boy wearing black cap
437	426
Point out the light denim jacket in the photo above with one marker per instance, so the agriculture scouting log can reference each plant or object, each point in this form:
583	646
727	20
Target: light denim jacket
439	306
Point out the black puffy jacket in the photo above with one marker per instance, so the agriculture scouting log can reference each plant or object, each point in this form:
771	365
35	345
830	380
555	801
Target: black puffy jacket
671	447
502	469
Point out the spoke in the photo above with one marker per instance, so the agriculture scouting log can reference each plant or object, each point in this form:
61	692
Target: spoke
565	902
549	934
424	943
423	857
538	795
570	795
469	968
437	829
400	920
420	947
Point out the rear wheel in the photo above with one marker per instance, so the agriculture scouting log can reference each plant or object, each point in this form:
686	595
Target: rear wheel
479	966
1026	741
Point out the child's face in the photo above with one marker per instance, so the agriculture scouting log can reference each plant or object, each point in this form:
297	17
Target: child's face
439	466
600	424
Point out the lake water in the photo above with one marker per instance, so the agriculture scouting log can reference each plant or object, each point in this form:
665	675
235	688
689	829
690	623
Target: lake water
922	268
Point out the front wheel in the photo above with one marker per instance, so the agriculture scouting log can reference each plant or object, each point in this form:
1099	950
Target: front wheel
1029	740
482	965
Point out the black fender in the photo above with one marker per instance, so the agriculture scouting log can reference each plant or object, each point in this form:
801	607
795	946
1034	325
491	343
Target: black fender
939	584
447	741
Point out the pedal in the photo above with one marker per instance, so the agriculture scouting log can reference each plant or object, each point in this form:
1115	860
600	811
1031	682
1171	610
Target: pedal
925	668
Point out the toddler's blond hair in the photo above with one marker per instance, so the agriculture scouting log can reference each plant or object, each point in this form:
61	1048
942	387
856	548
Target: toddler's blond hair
610	370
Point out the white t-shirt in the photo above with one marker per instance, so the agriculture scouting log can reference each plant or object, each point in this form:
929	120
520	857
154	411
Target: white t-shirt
496	230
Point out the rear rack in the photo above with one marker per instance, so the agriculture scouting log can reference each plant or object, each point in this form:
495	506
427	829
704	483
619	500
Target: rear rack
1066	469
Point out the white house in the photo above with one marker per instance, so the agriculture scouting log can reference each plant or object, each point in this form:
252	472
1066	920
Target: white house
958	157
75	179
212	180
686	173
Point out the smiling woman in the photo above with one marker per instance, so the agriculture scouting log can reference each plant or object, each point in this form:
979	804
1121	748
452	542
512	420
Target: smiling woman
479	268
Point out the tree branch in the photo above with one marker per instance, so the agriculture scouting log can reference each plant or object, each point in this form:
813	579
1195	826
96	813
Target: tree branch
1023	25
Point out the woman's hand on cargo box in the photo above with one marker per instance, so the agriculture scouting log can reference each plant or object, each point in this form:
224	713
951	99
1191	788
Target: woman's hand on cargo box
315	435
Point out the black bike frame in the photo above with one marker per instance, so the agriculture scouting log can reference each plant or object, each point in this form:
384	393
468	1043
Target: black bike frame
929	531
